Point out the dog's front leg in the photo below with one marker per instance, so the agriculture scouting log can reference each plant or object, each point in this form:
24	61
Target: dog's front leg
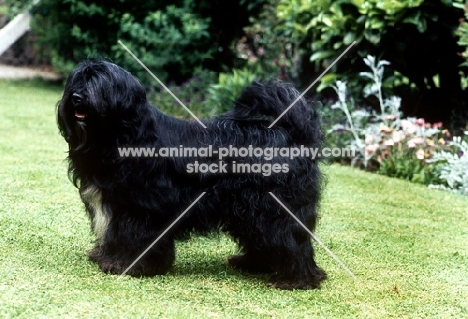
122	238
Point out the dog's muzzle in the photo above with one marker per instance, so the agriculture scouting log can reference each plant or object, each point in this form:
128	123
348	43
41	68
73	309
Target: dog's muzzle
77	101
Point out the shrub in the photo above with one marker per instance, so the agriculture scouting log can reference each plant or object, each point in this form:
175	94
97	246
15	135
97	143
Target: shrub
403	149
360	121
452	167
267	51
176	38
172	41
408	34
15	7
395	146
193	93
462	32
230	85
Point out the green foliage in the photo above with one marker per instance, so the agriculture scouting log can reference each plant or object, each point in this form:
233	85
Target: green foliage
453	167
392	145
174	38
404	165
407	33
267	51
229	87
403	148
72	30
462	32
193	93
172	41
15	7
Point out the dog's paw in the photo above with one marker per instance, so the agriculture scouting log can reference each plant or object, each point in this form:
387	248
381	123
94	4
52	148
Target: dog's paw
293	284
117	265
303	283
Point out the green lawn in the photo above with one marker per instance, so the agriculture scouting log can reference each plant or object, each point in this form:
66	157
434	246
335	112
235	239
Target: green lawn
406	244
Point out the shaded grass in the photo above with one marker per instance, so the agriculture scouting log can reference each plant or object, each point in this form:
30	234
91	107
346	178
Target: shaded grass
405	243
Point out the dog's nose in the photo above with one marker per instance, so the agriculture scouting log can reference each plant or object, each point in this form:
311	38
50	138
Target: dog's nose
76	99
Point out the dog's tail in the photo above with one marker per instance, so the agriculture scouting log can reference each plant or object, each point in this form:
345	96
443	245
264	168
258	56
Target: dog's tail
268	101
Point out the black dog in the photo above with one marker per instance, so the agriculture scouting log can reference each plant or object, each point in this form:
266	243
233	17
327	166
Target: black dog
132	200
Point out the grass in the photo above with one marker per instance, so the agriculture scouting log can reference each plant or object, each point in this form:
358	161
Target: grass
406	244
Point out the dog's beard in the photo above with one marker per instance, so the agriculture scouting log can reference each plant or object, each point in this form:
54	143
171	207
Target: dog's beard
81	135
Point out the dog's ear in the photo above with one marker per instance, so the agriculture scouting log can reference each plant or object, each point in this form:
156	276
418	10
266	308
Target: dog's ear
128	94
64	128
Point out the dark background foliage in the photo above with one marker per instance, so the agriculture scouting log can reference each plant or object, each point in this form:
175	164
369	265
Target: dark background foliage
292	40
418	38
174	38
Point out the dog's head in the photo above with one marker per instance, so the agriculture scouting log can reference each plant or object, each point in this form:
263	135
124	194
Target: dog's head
99	98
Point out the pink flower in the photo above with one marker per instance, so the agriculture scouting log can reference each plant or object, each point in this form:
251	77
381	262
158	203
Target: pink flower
390	117
411	131
408	127
419	122
369	139
418	140
371	149
388	143
405	124
411	144
420	154
397	136
437	125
